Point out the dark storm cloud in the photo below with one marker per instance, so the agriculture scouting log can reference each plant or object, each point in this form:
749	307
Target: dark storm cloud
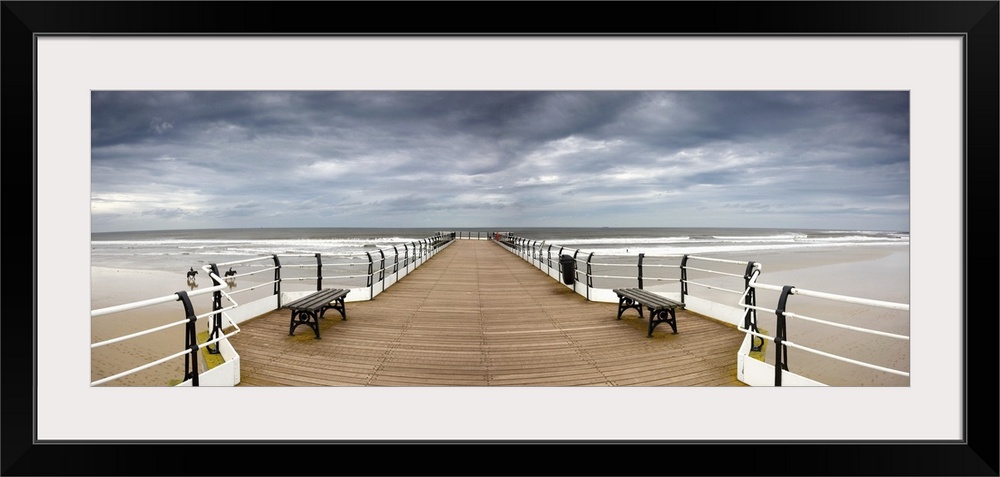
189	159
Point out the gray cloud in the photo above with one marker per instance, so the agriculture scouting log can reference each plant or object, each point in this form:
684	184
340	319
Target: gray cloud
190	159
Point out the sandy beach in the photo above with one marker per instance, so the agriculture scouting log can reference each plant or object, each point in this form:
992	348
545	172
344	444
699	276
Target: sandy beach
866	272
872	273
115	286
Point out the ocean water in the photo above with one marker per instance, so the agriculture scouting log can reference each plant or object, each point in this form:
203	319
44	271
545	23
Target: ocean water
177	250
345	251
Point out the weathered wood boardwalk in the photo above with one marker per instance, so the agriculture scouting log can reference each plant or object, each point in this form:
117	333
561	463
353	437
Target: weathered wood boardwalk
477	315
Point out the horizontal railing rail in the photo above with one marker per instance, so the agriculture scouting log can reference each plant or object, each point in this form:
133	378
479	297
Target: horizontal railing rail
585	262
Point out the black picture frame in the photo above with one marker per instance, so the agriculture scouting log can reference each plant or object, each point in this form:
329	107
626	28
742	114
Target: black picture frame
975	21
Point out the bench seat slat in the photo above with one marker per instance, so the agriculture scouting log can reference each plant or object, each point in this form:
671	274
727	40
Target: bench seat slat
647	297
317	299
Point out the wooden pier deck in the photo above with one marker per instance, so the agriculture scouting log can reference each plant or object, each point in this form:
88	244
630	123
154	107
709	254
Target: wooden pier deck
477	315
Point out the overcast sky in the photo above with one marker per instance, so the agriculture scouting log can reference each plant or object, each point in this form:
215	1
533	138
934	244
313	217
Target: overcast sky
440	159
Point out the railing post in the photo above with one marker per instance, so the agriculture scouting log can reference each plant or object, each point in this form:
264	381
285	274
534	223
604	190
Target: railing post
190	340
780	336
395	261
590	278
406	257
548	259
319	272
381	269
216	306
559	255
371	287
277	278
641	255
575	269
750	318
684	277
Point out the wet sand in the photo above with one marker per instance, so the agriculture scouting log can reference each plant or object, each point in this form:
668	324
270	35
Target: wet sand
880	273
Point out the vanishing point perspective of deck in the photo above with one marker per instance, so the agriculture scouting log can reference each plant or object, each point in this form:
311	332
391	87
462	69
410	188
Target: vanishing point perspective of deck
477	315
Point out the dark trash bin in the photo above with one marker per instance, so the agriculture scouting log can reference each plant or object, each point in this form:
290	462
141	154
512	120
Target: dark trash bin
568	268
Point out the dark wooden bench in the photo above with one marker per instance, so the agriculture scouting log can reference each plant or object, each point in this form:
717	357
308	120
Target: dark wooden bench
310	308
661	310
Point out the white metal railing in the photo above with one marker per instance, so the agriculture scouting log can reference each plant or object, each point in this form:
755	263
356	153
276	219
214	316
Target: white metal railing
548	255
146	303
832	296
532	250
414	254
541	254
161	360
782	342
196	347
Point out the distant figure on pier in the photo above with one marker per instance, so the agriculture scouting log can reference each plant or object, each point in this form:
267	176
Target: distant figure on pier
231	277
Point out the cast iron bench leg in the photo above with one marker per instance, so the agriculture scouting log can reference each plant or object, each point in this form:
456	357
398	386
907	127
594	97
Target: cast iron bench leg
338	305
624	303
663	316
304	317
